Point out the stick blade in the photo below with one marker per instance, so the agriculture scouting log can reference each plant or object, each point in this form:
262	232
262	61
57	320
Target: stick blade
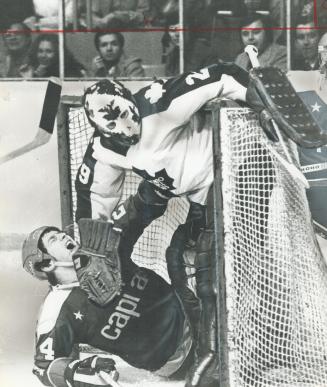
50	105
48	116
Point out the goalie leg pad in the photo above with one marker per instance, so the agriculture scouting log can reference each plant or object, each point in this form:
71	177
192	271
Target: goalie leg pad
203	264
206	346
177	266
288	110
206	292
196	220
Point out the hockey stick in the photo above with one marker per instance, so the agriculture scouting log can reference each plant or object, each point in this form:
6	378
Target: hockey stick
49	112
108	379
317	182
320	229
288	164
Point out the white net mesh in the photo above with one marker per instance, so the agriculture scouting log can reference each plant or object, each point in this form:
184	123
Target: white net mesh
276	276
150	248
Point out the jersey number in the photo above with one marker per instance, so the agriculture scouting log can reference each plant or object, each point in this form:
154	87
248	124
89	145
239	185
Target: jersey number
46	349
117	214
84	174
202	75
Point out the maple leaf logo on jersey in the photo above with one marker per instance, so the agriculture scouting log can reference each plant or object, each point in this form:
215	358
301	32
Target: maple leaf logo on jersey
155	92
160	179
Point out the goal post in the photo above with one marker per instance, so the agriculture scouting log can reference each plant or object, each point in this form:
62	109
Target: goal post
270	276
65	156
275	277
214	108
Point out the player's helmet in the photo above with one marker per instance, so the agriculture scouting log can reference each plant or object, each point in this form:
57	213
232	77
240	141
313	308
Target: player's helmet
32	255
111	109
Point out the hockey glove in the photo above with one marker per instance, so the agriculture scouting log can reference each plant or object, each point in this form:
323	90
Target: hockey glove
255	102
97	262
272	96
92	371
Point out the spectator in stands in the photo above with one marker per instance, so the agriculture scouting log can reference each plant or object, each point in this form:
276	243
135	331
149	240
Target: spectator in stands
17	41
256	30
44	60
117	13
322	50
198	50
112	60
306	45
322	57
171	49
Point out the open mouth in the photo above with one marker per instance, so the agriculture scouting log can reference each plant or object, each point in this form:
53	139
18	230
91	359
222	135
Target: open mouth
70	245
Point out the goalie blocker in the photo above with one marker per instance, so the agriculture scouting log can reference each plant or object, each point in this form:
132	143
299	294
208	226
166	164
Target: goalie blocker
271	88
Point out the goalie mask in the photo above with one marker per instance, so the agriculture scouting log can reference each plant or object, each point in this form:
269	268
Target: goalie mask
32	255
110	109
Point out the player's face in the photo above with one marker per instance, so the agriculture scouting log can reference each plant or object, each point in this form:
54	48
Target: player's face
254	36
174	35
322	49
16	41
307	41
123	130
116	118
109	48
59	245
46	53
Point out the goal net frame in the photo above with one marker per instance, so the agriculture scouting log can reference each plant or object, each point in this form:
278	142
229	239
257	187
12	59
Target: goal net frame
235	371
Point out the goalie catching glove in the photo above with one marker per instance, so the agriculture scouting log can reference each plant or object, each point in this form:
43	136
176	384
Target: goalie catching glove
97	262
92	371
271	95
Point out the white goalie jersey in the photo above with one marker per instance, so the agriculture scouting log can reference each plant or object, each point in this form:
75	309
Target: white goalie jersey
174	152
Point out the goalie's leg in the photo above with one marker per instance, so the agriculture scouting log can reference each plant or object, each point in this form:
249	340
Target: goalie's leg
177	265
203	373
205	370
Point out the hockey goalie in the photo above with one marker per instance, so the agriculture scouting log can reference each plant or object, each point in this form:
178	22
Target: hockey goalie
160	134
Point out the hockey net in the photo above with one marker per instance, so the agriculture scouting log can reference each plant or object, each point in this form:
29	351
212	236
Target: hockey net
150	248
276	277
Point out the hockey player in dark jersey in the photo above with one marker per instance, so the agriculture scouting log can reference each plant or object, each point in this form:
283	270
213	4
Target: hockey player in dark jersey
159	134
145	324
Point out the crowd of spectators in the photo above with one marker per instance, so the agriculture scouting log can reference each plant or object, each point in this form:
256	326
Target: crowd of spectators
212	30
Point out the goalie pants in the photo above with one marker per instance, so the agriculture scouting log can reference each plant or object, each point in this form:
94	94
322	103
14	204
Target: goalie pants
201	311
179	363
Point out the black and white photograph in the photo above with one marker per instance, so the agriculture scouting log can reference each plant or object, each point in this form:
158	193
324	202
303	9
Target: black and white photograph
164	193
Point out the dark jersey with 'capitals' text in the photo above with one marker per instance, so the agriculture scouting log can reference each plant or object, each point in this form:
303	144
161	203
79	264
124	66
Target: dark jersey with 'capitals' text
143	325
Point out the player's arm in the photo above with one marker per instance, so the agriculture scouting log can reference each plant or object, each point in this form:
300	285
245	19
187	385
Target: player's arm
135	214
104	255
54	351
57	365
98	186
177	99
